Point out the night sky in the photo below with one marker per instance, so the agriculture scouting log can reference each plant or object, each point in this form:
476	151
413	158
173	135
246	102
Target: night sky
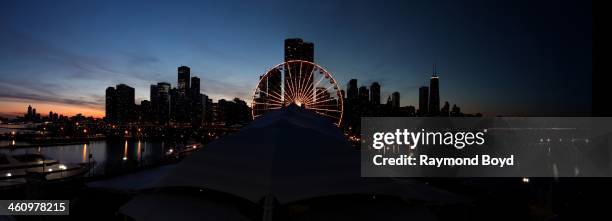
493	57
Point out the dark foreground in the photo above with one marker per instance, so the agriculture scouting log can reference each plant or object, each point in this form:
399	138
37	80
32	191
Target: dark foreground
490	199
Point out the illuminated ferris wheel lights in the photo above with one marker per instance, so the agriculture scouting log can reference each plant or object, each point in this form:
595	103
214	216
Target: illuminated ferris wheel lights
301	83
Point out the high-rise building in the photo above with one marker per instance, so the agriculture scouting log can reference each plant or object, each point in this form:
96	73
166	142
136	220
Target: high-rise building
111	114
351	89
184	73
145	111
124	103
297	49
197	107
423	101
154	98
434	94
120	106
182	104
174	97
163	105
29	116
364	94
154	94
195	85
395	100
159	95
375	93
205	109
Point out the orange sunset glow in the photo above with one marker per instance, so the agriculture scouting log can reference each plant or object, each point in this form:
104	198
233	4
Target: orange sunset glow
13	108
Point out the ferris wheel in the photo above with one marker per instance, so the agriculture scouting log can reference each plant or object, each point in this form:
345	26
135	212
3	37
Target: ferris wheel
303	83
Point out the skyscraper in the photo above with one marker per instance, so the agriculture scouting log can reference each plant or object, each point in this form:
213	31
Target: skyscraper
153	94
154	98
29	115
434	94
110	113
375	93
120	106
182	100
423	101
163	106
364	94
297	49
124	103
183	79
197	106
351	89
395	100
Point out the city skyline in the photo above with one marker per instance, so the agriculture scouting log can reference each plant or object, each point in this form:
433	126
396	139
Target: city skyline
512	67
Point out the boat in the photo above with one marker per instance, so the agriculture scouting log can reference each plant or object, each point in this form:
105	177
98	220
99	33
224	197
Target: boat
15	169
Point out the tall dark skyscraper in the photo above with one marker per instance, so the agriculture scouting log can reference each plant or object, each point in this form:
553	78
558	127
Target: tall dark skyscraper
423	101
195	85
182	100
153	94
364	94
184	73
434	94
197	107
375	93
163	105
297	49
351	89
124	103
395	100
110	113
29	115
120	106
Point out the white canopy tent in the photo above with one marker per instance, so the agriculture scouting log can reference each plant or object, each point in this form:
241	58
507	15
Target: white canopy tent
291	154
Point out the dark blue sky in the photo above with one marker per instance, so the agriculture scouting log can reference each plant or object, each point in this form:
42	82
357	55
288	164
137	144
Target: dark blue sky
494	57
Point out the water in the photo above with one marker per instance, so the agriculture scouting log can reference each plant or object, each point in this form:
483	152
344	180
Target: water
110	156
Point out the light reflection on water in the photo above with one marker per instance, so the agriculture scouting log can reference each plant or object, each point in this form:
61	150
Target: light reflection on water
110	156
84	153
